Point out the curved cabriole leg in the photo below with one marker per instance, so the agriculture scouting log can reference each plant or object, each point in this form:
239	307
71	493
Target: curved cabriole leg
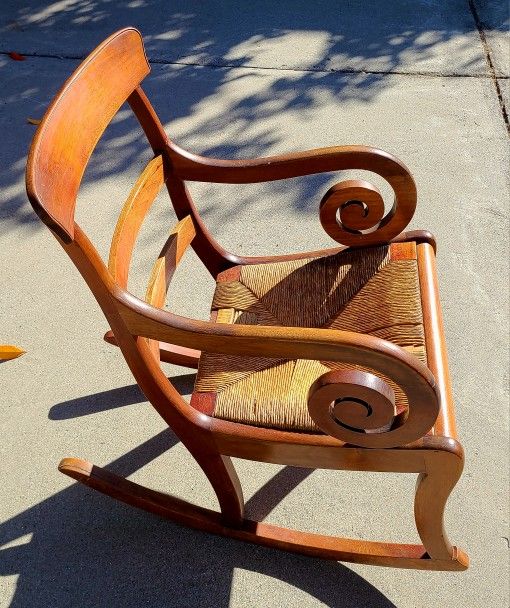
433	487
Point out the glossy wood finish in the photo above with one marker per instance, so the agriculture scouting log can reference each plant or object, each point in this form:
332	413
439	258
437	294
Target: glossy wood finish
214	257
437	357
352	213
147	334
187	166
168	353
353	406
149	120
74	123
192	167
133	213
306	543
165	266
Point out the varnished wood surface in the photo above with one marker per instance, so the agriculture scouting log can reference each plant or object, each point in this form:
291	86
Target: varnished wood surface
418	236
59	154
394	555
163	270
149	120
354	406
168	353
295	342
164	267
74	122
136	207
352	213
193	167
437	357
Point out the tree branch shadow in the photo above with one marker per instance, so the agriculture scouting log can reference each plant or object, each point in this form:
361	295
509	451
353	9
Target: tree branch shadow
332	57
86	550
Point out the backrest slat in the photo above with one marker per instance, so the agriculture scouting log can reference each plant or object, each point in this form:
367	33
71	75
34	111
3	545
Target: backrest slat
74	123
165	266
136	207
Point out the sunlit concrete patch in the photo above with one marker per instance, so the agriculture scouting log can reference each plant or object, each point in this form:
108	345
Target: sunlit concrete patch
24	539
420	36
504	87
8	588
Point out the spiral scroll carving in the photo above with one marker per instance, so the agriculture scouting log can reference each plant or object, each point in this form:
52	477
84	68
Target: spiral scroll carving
359	408
352	213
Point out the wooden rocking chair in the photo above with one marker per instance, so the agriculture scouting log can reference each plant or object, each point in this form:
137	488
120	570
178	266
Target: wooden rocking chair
330	359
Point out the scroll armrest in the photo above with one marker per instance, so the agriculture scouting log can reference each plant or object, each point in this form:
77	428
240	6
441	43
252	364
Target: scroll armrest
358	407
352	212
386	358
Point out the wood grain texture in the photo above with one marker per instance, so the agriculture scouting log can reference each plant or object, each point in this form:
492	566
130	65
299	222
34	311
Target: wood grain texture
58	156
395	555
163	270
193	167
136	207
168	353
437	357
354	406
75	121
148	120
352	213
186	166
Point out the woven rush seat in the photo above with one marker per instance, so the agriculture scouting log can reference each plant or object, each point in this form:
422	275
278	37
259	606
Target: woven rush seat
373	291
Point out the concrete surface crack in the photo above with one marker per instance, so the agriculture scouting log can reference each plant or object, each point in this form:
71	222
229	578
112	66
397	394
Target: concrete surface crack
222	65
490	64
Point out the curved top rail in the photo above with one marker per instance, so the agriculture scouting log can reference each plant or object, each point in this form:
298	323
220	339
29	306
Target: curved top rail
75	121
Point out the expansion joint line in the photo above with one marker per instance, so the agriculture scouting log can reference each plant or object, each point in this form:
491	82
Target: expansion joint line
490	63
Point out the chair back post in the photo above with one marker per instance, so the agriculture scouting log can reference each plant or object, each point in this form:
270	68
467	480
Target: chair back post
191	427
62	146
214	257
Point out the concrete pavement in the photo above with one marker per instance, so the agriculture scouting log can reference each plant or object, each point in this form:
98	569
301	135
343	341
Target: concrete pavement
234	79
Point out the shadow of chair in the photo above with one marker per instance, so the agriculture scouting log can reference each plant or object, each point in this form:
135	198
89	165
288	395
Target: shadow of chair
70	559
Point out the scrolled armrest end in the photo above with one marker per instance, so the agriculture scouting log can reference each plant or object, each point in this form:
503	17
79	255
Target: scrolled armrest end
358	408
352	211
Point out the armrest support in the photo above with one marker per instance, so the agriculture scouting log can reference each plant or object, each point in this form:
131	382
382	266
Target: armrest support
163	270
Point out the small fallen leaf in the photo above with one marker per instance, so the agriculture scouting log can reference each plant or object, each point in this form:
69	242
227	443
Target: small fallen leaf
16	56
10	352
34	121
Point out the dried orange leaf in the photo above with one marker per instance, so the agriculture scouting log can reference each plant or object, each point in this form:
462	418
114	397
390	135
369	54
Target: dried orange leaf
16	56
34	121
10	352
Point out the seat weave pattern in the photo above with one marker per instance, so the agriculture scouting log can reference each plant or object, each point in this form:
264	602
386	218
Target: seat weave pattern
373	291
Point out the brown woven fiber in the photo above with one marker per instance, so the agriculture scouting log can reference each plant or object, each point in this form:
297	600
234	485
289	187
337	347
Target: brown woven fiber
372	291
